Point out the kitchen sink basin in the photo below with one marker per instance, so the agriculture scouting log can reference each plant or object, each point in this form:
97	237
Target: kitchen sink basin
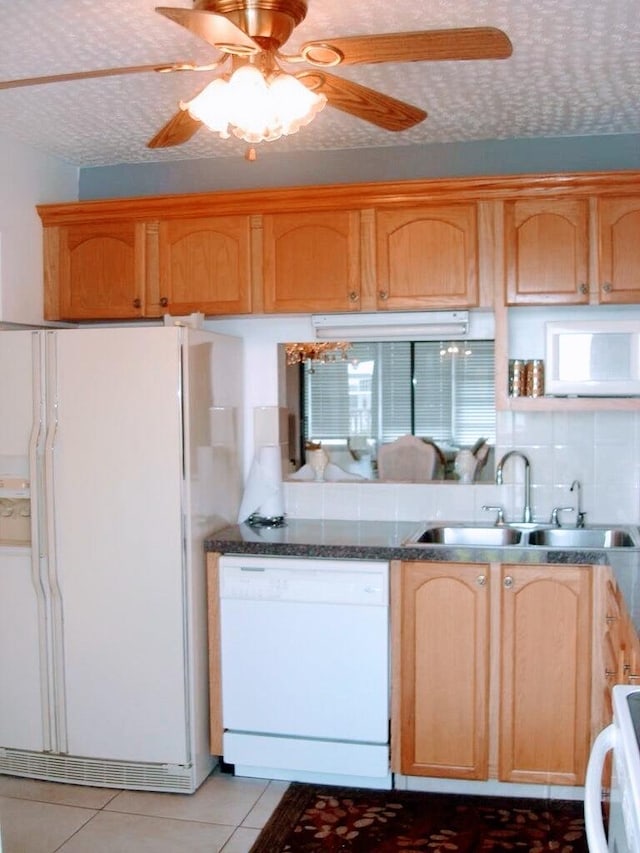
583	537
469	535
524	535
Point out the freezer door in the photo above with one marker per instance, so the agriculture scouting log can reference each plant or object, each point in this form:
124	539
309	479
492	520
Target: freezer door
114	469
24	672
21	720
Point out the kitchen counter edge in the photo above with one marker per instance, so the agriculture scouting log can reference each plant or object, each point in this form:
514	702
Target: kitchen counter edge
382	540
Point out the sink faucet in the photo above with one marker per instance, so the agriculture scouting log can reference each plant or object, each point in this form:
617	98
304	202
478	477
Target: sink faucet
526	512
580	515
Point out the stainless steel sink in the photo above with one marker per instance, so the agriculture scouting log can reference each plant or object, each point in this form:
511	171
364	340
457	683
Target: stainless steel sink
469	535
583	537
524	535
530	534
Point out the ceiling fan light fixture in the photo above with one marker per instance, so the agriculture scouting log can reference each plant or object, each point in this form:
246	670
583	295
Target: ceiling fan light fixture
255	108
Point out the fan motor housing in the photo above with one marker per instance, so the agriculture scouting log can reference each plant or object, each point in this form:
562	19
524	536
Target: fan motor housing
269	22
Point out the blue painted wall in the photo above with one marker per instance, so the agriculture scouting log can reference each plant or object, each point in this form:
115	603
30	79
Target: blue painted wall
492	157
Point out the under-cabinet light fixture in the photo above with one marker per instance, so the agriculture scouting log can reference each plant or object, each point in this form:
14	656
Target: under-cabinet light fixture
423	325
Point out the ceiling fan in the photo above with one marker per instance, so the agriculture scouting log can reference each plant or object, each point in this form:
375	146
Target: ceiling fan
256	31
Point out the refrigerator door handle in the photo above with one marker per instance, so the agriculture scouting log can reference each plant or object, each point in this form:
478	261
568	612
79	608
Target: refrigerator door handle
38	569
57	620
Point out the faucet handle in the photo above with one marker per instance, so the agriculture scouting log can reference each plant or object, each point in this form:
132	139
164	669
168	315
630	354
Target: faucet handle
500	517
554	514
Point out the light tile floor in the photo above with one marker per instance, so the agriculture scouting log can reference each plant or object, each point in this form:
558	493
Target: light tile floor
225	815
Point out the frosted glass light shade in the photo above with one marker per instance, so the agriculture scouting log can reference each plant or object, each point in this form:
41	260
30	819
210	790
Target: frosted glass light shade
254	108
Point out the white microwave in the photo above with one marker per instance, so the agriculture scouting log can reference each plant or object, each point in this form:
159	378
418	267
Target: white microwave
597	358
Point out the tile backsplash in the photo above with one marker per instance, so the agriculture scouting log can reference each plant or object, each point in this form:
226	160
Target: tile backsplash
600	449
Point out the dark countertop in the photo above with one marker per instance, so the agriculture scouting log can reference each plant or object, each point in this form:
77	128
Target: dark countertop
382	540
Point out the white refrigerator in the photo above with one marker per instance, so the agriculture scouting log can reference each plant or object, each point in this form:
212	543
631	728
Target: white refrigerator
119	453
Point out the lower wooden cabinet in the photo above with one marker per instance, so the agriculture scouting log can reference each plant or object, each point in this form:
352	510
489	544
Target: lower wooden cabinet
545	669
443	681
616	647
492	669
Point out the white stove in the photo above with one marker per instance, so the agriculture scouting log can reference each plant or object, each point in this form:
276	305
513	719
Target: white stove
623	738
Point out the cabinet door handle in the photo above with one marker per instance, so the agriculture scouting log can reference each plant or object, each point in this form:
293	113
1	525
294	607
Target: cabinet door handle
610	673
583	288
610	619
607	287
481	580
353	296
383	294
164	301
507	582
137	303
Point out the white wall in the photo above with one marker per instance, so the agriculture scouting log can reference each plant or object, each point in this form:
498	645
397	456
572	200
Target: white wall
27	177
395	163
263	379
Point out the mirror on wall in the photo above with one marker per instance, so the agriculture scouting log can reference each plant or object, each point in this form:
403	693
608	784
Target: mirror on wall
395	410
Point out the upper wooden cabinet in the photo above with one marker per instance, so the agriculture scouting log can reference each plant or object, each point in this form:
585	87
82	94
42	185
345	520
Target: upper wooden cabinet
311	261
95	271
411	245
547	251
549	258
619	259
204	265
427	257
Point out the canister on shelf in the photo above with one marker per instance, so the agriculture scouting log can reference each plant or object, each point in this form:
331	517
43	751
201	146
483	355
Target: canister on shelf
517	378
535	378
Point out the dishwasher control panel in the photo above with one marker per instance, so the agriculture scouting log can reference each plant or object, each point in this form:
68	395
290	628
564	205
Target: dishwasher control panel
364	582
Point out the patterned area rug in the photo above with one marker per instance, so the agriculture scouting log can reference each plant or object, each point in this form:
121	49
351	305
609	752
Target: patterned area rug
312	817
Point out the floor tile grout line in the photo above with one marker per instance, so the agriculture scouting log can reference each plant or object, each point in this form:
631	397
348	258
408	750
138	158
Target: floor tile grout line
75	832
51	803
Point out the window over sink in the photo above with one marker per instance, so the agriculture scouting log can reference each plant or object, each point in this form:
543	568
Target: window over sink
441	391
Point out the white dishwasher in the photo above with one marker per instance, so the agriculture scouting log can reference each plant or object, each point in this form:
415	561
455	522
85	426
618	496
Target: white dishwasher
305	669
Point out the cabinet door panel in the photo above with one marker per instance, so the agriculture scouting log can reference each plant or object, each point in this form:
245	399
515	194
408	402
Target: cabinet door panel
545	674
311	261
619	250
205	265
427	257
101	271
444	670
546	250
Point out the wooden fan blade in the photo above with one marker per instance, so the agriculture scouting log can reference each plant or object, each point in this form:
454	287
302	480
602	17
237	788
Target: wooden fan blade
382	110
177	130
85	75
213	28
427	46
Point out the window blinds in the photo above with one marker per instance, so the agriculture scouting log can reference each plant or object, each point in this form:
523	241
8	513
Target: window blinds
441	390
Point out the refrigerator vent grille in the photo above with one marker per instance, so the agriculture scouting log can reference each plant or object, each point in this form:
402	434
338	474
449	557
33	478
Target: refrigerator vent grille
102	773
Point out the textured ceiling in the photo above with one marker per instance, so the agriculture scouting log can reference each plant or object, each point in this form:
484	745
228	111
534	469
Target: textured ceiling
575	71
